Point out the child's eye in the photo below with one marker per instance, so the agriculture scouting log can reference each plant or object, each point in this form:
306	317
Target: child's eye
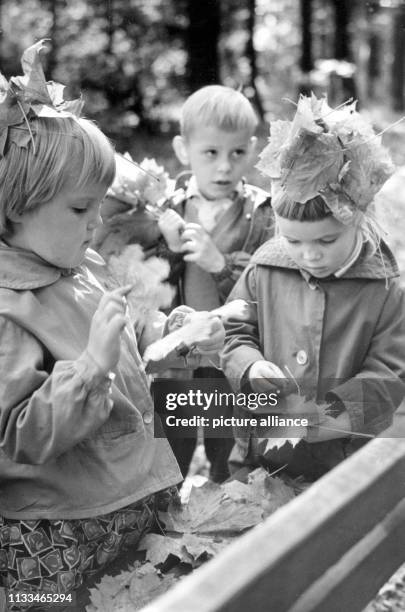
291	241
79	211
239	153
327	240
210	153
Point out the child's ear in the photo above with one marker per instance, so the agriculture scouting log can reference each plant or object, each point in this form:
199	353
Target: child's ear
180	149
252	145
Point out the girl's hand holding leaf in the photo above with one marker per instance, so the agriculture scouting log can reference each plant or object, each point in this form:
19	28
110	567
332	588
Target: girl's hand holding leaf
106	327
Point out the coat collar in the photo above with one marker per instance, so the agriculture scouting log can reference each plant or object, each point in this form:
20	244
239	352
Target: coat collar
380	265
23	270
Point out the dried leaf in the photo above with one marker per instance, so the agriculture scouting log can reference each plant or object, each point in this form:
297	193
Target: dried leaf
211	510
269	162
150	291
310	163
292	406
188	548
147	584
129	591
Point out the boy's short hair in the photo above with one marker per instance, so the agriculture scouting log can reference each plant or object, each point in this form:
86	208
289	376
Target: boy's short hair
220	106
68	152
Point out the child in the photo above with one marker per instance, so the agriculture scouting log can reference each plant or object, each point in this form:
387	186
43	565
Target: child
80	466
216	220
326	308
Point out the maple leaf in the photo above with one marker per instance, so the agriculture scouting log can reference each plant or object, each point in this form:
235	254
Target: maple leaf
370	167
309	164
189	548
33	83
292	406
210	510
149	291
129	591
269	162
306	116
270	492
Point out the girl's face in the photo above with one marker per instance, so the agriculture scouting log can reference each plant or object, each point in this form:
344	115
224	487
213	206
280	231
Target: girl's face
319	247
61	230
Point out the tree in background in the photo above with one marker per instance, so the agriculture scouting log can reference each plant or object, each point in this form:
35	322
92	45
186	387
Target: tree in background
397	81
202	43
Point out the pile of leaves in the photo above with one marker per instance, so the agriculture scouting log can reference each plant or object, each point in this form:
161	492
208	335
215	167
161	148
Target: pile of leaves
194	532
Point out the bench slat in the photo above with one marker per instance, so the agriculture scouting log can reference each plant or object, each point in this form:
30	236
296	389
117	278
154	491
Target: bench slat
271	566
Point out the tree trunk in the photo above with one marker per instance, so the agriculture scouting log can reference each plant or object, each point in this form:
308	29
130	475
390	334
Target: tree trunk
342	85
251	56
342	39
52	6
306	60
202	43
397	74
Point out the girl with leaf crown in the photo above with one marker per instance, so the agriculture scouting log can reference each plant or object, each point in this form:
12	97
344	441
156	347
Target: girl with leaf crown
80	468
327	313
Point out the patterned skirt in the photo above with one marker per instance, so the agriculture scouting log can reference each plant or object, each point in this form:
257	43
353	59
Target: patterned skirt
54	556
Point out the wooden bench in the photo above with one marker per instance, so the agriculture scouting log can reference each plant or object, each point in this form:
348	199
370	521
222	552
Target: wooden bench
328	550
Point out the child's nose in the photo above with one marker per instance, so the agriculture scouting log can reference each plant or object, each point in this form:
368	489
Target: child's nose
224	164
311	254
94	221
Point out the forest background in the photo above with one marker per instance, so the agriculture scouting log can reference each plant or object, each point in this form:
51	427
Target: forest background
135	62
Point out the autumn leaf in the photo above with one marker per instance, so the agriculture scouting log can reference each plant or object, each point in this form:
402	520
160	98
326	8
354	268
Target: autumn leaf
211	510
129	591
309	164
292	406
188	547
269	162
270	492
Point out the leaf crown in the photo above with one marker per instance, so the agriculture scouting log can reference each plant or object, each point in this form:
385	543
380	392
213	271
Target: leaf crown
28	96
329	152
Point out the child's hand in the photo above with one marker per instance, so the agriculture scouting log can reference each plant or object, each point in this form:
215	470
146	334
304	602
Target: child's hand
200	249
106	327
206	331
171	225
264	376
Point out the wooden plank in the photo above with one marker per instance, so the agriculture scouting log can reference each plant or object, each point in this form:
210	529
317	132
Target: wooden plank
350	584
273	564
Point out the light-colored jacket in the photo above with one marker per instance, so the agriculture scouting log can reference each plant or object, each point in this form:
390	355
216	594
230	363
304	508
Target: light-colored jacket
343	339
70	446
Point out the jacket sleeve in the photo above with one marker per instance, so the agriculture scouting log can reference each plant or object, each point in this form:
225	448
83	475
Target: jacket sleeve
262	229
42	415
242	344
377	390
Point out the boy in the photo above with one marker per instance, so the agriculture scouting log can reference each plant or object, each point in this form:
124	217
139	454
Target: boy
215	220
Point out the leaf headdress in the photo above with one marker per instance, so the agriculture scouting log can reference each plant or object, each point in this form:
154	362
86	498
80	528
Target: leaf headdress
30	95
329	152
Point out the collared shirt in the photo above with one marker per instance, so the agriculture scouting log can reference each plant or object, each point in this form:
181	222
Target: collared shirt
207	211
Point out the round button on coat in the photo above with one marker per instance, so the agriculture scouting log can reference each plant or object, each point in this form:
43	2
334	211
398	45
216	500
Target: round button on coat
147	417
302	357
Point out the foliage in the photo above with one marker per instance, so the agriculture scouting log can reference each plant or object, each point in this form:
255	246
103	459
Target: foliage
196	531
